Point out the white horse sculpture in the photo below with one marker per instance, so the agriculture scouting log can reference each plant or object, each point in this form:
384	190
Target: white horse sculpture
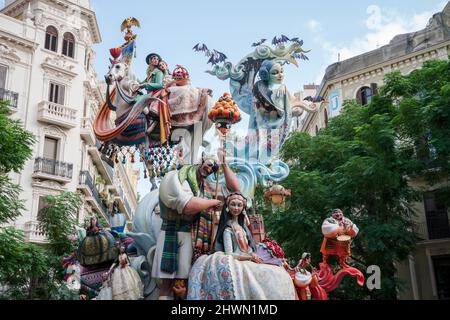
121	75
187	127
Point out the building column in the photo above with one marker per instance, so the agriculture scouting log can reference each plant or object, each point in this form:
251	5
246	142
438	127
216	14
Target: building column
412	270
432	276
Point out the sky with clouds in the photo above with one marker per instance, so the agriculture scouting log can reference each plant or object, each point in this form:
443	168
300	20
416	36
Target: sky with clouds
330	29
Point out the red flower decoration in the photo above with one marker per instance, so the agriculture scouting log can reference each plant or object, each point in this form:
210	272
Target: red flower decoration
115	52
273	246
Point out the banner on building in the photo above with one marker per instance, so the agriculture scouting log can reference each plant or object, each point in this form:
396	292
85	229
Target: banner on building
335	102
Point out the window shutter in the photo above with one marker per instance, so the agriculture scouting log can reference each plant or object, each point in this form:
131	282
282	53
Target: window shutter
70	53
47	41
50	92
64	49
41	205
54	41
61	94
50	148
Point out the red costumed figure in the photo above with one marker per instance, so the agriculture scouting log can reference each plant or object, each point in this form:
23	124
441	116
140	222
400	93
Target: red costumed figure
338	232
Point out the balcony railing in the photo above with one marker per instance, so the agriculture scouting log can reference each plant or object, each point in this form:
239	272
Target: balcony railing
109	167
93	195
10	96
58	114
99	200
33	233
86	180
438	227
420	229
433	229
52	168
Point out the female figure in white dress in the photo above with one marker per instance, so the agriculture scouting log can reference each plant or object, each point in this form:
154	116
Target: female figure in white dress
235	271
105	290
126	283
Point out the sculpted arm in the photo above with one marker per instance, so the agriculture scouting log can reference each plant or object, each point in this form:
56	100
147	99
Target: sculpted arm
298	106
230	177
330	229
176	196
351	228
158	84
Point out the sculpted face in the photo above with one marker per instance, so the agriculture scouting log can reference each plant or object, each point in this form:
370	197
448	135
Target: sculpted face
276	74
236	206
163	66
338	215
207	168
154	61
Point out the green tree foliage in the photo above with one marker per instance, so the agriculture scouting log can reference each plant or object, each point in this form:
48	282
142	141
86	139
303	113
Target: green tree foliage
15	142
58	221
29	271
22	264
362	163
15	150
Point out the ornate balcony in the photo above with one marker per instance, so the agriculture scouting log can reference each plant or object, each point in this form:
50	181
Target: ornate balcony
127	206
92	195
123	203
60	115
10	96
50	169
87	131
105	170
33	233
86	184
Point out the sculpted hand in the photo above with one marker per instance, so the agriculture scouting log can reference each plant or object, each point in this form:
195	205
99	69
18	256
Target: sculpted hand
215	205
255	258
135	87
281	91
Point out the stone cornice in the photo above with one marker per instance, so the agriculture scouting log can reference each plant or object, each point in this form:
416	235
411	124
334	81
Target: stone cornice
92	19
58	65
10	37
393	63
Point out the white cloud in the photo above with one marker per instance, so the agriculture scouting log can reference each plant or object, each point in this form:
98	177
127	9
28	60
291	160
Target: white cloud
313	25
382	25
374	20
382	28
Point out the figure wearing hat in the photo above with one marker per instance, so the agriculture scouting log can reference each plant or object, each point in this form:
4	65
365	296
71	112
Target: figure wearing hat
155	76
154	84
186	199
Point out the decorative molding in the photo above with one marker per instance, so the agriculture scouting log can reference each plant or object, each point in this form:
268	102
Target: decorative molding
8	53
60	67
48	185
16	40
54	131
57	133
